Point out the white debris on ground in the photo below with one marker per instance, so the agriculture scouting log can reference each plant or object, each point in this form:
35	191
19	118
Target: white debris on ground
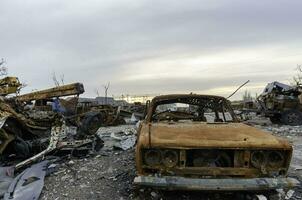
122	137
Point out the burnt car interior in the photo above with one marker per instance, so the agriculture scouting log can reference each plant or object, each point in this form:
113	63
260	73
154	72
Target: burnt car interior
199	109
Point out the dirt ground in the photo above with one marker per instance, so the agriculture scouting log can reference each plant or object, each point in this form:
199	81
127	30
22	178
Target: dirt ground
109	175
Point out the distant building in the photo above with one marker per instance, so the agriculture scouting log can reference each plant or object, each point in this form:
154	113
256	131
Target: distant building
87	101
103	101
121	103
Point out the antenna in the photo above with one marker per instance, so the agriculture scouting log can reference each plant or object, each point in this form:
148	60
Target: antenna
238	89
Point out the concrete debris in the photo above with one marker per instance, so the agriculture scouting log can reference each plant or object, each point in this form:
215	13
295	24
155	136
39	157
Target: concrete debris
127	143
122	137
261	197
289	194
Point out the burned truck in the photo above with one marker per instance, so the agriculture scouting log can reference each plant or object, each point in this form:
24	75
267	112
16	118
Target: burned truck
281	103
37	123
195	142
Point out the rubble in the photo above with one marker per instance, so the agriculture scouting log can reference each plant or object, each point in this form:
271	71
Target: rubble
109	175
98	177
122	137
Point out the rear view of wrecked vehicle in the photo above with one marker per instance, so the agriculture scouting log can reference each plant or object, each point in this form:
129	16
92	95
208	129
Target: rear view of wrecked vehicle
195	142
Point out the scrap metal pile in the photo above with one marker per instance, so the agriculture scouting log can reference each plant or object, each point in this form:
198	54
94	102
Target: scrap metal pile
39	123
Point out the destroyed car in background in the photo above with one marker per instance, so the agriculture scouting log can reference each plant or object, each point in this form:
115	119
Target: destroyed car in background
281	103
195	142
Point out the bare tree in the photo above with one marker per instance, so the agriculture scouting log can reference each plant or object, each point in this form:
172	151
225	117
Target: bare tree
2	61
97	92
62	77
247	96
56	81
106	87
3	70
298	78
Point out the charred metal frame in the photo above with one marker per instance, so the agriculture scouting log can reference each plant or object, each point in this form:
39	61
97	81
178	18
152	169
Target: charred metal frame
240	176
192	99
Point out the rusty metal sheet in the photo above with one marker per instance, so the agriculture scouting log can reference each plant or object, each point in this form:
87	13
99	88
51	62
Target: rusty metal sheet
60	91
199	135
181	183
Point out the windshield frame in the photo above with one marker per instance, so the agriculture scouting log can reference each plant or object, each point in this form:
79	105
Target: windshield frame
191	99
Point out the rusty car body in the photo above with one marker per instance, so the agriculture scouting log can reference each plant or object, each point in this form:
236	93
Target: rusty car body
195	142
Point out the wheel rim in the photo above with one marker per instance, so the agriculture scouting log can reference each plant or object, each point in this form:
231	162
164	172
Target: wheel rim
293	118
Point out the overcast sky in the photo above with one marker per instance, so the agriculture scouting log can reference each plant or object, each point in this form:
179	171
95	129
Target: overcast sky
152	46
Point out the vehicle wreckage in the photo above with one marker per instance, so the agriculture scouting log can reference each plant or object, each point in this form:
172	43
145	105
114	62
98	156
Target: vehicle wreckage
281	103
35	124
195	142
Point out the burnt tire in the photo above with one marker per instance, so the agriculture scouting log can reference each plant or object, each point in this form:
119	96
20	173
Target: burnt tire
91	123
292	118
276	119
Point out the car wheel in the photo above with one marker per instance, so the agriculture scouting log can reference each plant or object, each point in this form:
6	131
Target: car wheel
91	123
292	117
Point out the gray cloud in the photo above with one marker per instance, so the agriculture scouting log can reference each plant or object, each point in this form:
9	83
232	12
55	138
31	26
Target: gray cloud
97	41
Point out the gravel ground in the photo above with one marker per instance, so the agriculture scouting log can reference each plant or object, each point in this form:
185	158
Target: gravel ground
109	174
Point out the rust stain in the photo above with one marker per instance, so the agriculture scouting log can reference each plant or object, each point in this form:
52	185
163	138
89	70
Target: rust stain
199	135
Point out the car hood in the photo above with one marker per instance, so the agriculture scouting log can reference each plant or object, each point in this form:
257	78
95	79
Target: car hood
204	135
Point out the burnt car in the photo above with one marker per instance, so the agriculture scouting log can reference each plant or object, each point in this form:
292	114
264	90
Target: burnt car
195	142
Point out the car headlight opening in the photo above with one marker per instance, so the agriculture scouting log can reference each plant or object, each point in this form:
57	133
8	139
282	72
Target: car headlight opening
258	159
152	157
170	158
275	159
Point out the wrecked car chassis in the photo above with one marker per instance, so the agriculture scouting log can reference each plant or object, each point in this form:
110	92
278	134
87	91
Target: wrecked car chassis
185	151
